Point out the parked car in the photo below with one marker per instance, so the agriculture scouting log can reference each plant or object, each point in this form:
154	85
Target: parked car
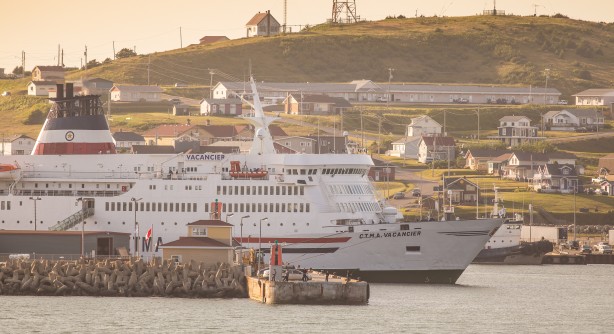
416	192
174	101
597	179
398	195
6	93
562	102
574	244
602	248
589	191
381	99
585	249
295	274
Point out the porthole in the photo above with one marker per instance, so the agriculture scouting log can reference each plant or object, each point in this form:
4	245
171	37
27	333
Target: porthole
268	224
293	224
95	223
175	223
307	224
108	223
123	223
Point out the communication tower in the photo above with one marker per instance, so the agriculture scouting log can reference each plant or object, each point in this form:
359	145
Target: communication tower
344	12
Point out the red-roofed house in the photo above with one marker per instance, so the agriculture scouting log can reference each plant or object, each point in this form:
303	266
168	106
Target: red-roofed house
213	39
208	241
436	148
263	24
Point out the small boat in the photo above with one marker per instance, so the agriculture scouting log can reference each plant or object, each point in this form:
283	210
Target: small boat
237	172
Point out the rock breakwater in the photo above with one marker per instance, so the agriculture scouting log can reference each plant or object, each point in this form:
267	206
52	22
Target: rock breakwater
130	278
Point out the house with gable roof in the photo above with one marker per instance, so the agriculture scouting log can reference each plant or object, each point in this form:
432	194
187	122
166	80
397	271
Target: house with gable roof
263	24
571	119
407	146
516	130
433	148
461	190
208	241
48	73
560	178
477	159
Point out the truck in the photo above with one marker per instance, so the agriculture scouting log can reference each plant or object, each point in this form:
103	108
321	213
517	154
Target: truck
554	234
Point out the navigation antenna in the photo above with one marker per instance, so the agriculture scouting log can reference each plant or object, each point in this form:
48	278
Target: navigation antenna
347	7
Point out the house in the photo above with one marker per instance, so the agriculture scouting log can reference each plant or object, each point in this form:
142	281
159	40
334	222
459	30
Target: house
521	166
461	190
595	97
263	24
571	119
495	165
516	130
48	73
181	109
210	134
221	107
555	178
213	39
96	86
306	104
125	93
21	145
306	145
165	134
478	159
436	148
382	171
41	88
607	187
369	91
208	241
405	147
126	139
423	126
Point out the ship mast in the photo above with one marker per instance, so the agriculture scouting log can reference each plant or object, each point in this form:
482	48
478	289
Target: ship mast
263	141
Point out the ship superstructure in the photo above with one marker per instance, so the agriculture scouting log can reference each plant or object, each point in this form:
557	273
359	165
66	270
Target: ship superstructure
322	206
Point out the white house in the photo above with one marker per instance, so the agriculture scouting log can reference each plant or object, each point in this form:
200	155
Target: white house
423	126
263	24
570	119
436	148
595	97
41	88
126	139
555	178
405	147
125	93
221	107
516	130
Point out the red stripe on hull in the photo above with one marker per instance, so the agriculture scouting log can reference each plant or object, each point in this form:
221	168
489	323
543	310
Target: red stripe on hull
74	148
293	240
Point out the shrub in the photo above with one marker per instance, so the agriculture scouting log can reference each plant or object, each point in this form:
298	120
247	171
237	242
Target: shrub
35	117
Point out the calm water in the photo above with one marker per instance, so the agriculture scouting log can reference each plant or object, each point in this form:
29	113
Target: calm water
487	299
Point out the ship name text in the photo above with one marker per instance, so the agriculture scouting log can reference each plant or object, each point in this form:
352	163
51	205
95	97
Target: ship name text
208	156
374	235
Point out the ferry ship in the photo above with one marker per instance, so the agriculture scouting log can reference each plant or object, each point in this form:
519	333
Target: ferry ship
322	207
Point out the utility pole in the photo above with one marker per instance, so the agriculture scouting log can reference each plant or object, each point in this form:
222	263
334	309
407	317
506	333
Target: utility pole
545	100
113	50
58	54
444	123
62	63
478	124
148	62
211	84
379	133
180	39
285	14
23	64
85	55
362	132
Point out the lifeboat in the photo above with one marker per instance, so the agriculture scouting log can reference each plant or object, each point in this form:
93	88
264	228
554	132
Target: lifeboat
8	171
245	173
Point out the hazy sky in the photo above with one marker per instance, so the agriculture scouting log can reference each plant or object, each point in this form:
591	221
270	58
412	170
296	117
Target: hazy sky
37	27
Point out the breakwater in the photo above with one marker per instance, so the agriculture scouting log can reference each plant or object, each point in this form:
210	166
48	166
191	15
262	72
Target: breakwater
130	278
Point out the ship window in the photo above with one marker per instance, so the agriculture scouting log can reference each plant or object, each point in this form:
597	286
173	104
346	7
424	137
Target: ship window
266	190
236	207
306	207
283	190
412	249
302	190
124	206
218	189
171	207
259	207
230	190
242	207
130	206
165	207
176	207
182	207
283	207
404	227
159	206
36	185
224	190
276	207
82	185
70	186
153	207
242	190
106	206
265	207
301	207
253	207
248	190
141	206
148	207
194	207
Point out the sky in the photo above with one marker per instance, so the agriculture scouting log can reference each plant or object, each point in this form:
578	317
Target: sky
154	26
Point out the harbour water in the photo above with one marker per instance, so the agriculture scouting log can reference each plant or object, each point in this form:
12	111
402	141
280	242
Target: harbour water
487	299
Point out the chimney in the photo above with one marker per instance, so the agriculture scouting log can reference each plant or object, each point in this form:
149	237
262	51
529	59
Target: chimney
59	91
69	90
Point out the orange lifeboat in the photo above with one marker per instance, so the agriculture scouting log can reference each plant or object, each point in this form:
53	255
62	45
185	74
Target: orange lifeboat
8	171
237	172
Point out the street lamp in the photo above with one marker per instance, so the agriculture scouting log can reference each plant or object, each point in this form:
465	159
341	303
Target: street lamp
228	215
241	251
35	199
136	226
575	190
260	242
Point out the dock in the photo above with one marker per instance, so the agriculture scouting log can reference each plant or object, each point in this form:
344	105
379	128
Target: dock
564	258
336	291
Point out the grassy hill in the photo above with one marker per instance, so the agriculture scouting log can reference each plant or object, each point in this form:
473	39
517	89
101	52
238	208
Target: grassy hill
477	49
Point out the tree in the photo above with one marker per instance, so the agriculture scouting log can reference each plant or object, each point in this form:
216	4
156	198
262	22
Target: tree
107	61
125	53
35	117
18	70
93	63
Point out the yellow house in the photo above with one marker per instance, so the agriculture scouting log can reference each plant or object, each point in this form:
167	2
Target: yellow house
208	241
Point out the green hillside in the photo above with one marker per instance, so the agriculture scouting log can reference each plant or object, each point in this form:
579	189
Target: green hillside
477	49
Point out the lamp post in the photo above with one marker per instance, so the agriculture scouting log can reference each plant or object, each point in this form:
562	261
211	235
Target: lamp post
260	242
575	190
478	112
35	199
241	251
136	227
228	215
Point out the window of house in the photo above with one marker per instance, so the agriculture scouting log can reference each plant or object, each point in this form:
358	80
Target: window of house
199	231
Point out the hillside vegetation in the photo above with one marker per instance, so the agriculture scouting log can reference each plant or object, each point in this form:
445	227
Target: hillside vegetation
477	49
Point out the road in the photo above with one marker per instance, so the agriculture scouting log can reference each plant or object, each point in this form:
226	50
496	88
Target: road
184	100
580	138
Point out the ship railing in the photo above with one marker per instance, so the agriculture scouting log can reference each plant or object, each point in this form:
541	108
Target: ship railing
72	220
14	184
58	257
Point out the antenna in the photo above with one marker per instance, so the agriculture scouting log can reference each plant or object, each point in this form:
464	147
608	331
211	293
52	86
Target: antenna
285	14
347	7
